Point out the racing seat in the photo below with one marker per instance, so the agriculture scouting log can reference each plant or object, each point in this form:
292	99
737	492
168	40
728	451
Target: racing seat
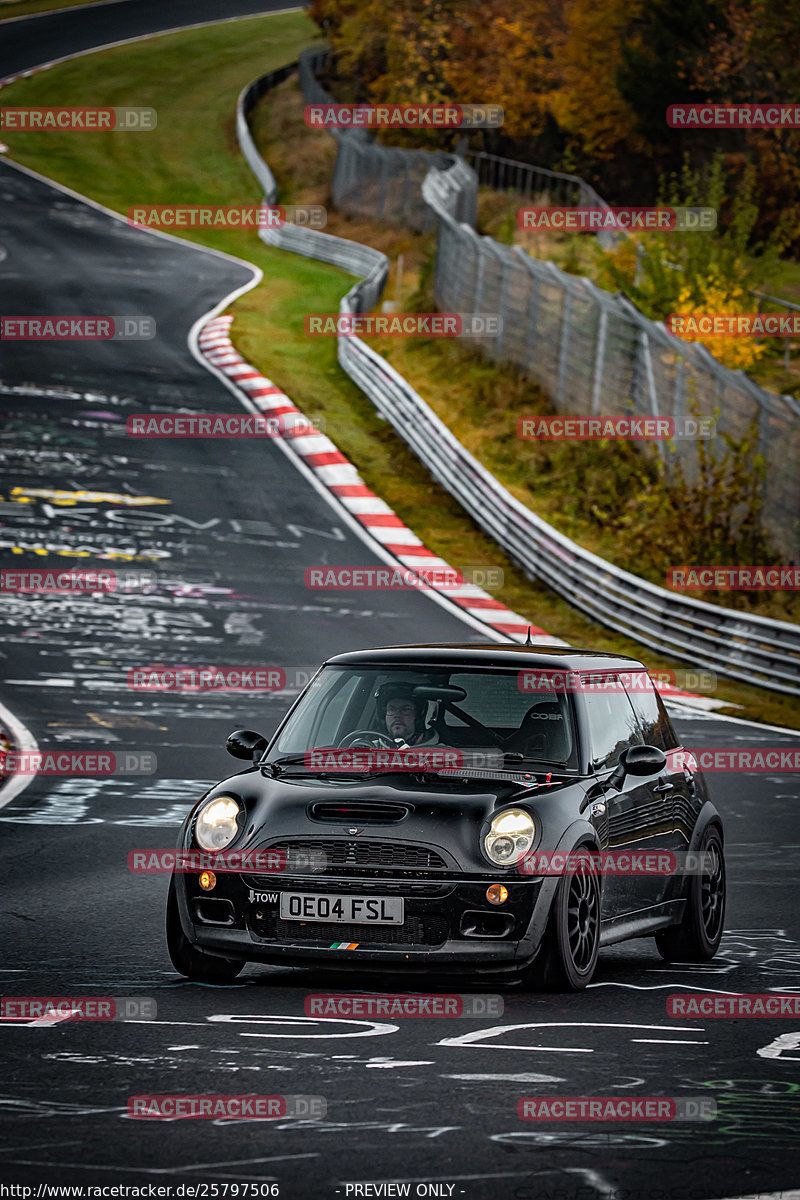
542	734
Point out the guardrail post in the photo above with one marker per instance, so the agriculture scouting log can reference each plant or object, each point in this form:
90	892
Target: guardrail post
599	358
564	354
763	430
503	305
678	391
533	312
478	291
651	382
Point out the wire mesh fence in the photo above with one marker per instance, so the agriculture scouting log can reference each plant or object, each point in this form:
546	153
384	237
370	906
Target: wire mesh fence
383	182
735	644
592	351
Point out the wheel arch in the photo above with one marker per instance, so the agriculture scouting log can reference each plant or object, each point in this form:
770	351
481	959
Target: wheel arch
578	834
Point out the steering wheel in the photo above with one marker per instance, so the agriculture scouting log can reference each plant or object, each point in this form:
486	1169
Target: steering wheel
367	737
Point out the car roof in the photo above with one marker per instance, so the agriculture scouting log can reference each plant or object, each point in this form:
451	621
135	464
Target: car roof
488	654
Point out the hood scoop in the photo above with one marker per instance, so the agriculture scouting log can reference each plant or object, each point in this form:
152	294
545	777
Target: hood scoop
357	812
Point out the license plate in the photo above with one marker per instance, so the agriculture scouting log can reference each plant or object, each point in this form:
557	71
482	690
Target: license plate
345	910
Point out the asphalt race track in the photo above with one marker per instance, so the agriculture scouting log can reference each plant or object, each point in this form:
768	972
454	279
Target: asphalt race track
49	36
231	527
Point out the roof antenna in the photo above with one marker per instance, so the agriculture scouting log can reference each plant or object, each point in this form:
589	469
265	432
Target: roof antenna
528	641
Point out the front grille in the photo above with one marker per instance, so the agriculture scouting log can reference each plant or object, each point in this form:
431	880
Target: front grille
362	887
415	931
359	852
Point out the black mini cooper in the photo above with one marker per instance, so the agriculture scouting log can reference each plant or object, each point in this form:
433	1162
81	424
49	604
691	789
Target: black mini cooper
467	808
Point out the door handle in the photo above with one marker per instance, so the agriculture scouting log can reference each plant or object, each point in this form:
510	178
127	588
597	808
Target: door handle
663	787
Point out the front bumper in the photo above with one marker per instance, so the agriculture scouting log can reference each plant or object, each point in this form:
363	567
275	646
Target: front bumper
448	924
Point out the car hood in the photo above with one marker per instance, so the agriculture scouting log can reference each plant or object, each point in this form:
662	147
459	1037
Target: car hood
446	812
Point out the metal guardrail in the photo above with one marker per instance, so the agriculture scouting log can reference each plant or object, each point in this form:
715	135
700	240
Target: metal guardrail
592	351
755	649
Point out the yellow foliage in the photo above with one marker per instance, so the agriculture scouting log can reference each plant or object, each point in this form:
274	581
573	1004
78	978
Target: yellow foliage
717	295
586	102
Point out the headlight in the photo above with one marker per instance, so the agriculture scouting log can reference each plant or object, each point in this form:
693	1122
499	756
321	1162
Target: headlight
216	823
510	836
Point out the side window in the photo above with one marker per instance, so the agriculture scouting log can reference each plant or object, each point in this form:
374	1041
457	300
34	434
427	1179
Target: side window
612	726
653	719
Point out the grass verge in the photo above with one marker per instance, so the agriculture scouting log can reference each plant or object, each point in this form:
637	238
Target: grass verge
29	8
193	79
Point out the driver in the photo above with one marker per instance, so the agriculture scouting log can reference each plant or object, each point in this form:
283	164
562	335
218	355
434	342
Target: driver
403	715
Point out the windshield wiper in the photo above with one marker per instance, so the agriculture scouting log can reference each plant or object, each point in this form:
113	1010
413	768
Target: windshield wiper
275	765
513	757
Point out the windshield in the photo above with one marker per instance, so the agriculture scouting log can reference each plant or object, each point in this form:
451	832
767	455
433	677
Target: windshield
466	709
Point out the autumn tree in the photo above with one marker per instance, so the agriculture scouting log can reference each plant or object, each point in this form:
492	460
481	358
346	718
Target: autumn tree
753	59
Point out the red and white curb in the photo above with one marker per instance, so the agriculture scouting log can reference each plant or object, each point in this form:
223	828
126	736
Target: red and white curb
342	479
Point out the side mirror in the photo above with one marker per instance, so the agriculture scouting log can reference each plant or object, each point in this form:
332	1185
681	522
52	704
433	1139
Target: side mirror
640	761
643	760
244	743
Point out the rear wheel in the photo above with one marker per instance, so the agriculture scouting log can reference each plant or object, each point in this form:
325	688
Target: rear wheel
568	956
189	960
697	937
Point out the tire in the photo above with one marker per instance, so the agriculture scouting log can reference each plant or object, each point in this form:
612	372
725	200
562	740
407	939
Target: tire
567	959
698	936
189	960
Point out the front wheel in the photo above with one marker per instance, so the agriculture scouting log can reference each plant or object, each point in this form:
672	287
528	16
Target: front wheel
568	955
190	960
698	936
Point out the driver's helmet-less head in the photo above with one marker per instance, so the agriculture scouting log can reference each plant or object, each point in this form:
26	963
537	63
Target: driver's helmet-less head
400	690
